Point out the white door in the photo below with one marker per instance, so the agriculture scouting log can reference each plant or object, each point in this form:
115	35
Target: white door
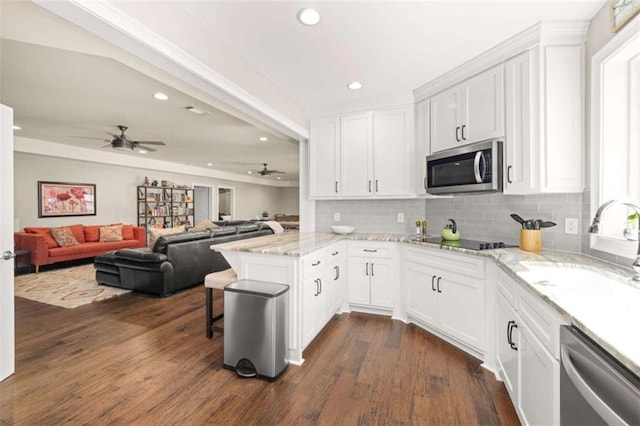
422	301
382	282
358	280
7	319
392	130
507	344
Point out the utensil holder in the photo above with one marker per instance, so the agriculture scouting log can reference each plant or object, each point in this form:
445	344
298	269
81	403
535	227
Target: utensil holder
531	239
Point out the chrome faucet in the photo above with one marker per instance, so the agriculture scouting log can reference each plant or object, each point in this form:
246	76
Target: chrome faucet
595	229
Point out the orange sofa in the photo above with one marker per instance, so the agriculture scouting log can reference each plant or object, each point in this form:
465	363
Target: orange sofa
45	250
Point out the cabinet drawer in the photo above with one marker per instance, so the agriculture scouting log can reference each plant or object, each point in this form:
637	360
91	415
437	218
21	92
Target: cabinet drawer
543	321
507	287
313	262
372	249
437	258
336	252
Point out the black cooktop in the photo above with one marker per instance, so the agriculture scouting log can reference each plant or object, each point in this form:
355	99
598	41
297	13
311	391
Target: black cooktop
469	244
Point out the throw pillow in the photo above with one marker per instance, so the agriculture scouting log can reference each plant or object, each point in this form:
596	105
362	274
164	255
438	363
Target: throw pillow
78	232
111	233
205	224
127	232
92	233
155	233
64	237
46	233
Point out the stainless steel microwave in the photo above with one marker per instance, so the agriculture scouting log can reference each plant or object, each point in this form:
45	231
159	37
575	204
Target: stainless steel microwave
473	168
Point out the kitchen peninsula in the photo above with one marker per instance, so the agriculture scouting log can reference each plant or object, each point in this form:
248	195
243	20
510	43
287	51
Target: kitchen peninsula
313	265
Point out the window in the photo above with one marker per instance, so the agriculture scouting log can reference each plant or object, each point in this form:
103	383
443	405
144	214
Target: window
615	139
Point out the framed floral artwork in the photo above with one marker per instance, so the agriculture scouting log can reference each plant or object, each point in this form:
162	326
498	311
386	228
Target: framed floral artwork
622	11
57	199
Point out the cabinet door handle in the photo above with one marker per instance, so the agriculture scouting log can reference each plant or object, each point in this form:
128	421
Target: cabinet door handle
458	133
509	332
463	136
433	283
334	253
316	292
315	264
371	268
376	185
336	187
371	250
369	186
337	273
438	284
366	269
509	174
425	184
320	283
511	343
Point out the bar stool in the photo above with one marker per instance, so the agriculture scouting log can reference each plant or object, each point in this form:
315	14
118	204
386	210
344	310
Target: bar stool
216	280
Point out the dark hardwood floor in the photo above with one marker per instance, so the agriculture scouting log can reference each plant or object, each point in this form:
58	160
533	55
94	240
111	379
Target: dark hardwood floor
139	360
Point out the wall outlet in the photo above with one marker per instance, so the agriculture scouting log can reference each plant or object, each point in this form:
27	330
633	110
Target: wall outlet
571	225
400	217
336	217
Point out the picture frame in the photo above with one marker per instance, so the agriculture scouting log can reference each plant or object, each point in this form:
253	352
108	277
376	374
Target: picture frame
56	199
622	11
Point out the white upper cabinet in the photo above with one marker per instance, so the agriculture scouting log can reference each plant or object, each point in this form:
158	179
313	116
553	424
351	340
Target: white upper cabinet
544	126
356	163
483	106
324	158
363	155
422	146
469	112
392	154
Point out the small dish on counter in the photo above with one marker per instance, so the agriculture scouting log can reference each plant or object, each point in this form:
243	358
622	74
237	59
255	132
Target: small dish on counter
342	229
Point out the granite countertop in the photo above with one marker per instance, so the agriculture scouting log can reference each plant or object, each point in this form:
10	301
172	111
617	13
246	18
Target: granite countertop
597	297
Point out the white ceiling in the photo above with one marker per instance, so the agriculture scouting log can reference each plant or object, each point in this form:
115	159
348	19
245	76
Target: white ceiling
392	47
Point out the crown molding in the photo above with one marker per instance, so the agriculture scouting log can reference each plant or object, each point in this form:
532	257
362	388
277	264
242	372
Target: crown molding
368	105
70	152
548	33
105	20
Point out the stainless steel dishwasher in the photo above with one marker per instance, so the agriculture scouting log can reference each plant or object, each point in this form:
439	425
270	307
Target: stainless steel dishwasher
595	389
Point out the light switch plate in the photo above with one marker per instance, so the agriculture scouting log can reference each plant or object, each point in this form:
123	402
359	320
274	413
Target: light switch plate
336	217
400	217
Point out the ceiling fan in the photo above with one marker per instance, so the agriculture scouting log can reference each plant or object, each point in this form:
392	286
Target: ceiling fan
123	141
266	172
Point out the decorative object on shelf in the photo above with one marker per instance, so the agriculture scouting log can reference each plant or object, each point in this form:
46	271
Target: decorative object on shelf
154	183
146	181
622	11
66	199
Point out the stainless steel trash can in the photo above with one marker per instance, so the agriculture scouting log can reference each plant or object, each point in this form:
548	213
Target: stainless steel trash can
255	328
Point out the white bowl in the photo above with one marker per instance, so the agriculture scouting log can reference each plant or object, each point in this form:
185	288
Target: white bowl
342	229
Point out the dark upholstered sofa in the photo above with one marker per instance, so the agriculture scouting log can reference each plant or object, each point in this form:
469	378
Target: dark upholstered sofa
176	262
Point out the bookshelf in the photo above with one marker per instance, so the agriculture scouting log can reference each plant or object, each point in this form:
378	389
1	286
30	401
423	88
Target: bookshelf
160	207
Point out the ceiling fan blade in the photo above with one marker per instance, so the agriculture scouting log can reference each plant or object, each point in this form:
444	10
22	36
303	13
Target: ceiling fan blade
277	172
106	146
150	142
146	148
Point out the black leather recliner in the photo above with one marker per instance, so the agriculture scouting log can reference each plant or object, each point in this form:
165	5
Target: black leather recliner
177	261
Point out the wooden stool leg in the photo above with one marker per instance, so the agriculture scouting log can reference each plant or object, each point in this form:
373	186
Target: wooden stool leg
209	318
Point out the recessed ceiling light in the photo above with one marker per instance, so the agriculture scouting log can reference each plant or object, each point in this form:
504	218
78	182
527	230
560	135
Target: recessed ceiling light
263	139
142	151
17	128
160	96
195	110
354	85
308	16
209	164
278	178
249	172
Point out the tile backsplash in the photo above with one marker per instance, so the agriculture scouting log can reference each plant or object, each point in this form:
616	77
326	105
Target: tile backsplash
479	217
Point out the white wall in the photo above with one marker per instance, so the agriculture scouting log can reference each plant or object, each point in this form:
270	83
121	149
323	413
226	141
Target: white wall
289	201
116	190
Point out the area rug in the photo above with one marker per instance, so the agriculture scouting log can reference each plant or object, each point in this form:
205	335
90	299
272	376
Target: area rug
67	287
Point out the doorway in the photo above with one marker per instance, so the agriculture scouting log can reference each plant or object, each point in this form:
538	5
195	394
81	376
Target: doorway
203	203
226	203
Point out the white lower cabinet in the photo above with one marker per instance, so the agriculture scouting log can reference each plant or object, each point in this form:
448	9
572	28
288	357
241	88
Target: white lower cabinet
526	363
336	276
452	303
371	272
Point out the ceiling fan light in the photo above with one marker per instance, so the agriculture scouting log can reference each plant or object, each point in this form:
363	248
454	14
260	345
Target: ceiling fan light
142	151
121	144
263	138
354	85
